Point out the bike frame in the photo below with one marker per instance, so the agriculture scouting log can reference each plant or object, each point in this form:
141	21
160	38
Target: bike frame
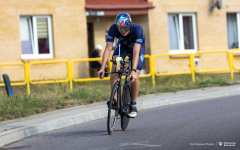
122	72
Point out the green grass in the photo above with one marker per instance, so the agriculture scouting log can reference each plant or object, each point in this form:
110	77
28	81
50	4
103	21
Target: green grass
48	97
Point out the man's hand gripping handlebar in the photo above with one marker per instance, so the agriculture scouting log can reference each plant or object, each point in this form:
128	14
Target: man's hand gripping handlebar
102	72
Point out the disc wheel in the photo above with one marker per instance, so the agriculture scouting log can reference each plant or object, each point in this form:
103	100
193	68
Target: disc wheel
126	105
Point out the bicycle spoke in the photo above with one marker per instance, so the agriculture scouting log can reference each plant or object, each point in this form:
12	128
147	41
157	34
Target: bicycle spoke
112	112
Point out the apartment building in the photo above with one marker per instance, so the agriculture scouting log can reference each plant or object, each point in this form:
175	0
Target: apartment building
52	30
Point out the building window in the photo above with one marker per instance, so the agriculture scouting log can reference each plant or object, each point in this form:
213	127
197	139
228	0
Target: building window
182	33
233	25
36	37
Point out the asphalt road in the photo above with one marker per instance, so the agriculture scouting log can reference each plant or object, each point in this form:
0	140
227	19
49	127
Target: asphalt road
200	125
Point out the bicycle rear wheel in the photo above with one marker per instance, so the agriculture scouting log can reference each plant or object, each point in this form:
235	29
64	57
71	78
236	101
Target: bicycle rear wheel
113	110
126	107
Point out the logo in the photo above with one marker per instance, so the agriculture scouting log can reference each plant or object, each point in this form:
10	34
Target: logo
109	37
122	24
142	57
139	40
121	38
123	21
227	144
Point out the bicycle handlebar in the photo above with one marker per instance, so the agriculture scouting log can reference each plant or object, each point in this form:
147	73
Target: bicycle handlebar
116	72
121	61
114	62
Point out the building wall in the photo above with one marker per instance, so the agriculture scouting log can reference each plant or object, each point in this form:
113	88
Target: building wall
69	24
68	28
211	31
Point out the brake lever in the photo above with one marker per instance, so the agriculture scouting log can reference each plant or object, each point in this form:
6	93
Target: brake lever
131	78
104	74
113	61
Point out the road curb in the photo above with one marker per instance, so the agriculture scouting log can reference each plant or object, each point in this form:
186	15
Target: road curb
16	134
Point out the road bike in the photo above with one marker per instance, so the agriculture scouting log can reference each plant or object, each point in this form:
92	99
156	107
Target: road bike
123	101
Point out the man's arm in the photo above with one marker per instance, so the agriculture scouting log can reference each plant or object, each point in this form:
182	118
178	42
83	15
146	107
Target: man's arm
105	58
135	59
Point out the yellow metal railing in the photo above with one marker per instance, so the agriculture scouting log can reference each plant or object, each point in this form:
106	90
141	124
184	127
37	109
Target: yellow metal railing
213	70
154	73
86	79
26	81
228	69
152	70
172	73
231	57
232	61
49	81
96	78
25	73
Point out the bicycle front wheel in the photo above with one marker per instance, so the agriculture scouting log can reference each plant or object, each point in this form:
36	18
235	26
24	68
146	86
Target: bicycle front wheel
126	107
113	110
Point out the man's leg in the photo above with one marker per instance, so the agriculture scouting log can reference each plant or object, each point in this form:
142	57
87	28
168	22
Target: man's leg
135	86
134	94
113	79
113	76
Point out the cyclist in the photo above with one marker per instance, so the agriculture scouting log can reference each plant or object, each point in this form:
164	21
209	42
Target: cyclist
132	40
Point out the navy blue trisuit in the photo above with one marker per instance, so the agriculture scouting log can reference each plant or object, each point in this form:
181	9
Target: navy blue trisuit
136	35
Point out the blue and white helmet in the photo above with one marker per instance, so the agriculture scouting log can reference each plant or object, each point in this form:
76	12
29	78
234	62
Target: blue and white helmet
123	22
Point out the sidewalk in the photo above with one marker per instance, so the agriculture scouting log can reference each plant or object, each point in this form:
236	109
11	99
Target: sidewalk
14	130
